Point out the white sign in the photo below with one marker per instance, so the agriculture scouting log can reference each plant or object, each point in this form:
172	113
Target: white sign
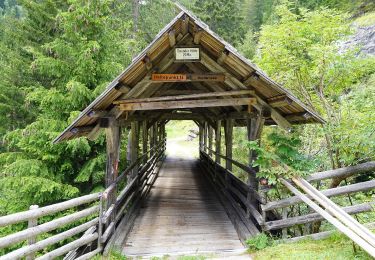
187	54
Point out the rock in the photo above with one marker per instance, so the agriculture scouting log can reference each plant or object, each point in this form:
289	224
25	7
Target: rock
364	39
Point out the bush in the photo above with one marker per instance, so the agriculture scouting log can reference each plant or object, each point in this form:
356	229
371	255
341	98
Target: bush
259	242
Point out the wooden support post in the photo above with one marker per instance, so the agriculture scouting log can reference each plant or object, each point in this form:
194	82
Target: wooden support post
113	152
228	142
205	131
254	130
201	137
144	140
218	142
210	137
152	139
285	216
134	141
32	223
156	136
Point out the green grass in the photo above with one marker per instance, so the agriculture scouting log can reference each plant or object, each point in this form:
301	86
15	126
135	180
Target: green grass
366	20
177	129
337	247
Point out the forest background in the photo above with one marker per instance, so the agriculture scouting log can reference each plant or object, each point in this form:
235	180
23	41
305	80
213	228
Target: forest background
56	56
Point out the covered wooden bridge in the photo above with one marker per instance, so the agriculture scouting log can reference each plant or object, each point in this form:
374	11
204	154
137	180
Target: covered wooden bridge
160	205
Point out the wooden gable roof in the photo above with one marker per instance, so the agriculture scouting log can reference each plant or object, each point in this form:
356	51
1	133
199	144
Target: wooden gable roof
217	56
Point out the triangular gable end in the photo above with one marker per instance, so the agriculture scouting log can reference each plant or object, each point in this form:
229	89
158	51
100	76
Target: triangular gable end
216	56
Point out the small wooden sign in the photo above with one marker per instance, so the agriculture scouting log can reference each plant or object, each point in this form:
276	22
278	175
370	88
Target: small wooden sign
187	54
169	77
207	77
187	77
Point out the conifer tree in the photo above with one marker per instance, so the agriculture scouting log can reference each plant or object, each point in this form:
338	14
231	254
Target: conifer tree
224	17
71	49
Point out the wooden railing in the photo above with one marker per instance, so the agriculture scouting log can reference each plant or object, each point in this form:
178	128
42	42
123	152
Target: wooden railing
235	195
239	195
94	218
283	207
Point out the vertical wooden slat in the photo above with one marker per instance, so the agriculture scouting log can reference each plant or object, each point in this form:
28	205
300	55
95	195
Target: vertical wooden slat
228	142
201	137
205	131
152	139
134	140
218	141
155	126
144	140
32	223
210	137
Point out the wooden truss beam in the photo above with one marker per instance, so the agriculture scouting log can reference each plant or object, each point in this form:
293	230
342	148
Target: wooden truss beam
182	97
234	83
187	104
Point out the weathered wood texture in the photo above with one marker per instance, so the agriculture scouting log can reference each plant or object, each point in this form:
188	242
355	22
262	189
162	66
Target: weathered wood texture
342	172
181	215
188	104
232	193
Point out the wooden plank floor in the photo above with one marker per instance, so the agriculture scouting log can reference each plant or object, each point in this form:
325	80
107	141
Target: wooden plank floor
181	216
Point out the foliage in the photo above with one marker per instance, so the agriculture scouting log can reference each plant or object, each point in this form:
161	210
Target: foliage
301	51
278	156
113	255
73	50
259	242
248	47
223	17
336	246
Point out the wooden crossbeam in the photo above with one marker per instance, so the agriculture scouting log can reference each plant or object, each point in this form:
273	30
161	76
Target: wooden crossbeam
187	104
177	92
279	101
182	97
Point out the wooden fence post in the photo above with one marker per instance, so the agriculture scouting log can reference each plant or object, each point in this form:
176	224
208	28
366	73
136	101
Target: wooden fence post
113	151
284	216
33	222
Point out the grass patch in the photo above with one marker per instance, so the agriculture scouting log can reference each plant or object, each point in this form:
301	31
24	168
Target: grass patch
365	20
337	246
177	129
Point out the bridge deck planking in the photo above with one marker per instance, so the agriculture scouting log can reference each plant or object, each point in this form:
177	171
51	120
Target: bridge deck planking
181	215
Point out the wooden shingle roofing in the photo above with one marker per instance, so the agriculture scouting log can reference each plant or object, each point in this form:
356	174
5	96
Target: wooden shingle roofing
217	56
